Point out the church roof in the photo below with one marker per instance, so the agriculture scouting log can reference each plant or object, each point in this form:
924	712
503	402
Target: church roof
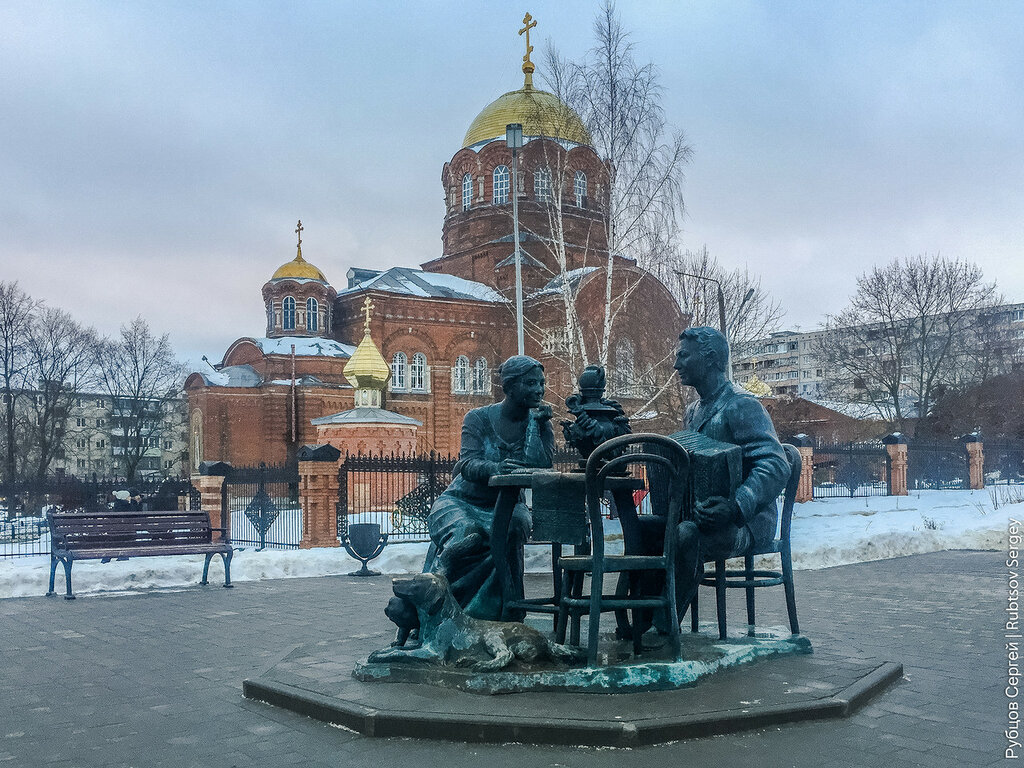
415	282
558	283
304	346
366	416
540	113
238	376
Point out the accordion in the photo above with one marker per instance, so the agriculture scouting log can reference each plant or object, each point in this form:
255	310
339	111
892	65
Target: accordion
716	468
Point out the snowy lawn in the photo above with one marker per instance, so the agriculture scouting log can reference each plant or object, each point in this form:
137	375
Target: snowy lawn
825	533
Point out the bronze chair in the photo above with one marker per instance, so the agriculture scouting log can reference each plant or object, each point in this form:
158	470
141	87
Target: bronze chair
751	579
609	460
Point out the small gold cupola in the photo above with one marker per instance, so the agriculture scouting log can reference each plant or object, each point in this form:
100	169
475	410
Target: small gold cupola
299	268
367	370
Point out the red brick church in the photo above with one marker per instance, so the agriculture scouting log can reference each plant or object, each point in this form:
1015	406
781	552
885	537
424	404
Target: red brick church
445	328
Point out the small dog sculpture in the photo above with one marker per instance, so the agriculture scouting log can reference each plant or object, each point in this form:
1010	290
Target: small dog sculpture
449	636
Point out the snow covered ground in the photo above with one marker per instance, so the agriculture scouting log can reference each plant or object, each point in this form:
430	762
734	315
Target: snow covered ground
826	533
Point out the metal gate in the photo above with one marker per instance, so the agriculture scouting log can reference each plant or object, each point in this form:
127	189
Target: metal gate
263	504
851	469
933	465
1004	462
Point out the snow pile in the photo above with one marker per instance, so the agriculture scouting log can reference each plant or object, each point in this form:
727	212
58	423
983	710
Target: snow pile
825	533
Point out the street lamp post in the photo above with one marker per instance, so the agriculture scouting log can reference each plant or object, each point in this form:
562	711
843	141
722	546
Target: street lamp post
514	141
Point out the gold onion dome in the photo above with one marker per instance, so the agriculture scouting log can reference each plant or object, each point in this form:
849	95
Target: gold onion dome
756	387
367	368
299	268
541	114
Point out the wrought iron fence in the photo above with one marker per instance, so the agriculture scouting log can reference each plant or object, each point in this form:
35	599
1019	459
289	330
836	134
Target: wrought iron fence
851	469
396	492
23	505
1004	462
263	504
935	465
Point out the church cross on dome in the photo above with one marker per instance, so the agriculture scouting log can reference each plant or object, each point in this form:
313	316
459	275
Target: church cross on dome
367	307
298	247
528	68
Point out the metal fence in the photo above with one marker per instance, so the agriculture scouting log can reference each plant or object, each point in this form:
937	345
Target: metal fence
263	504
23	505
397	492
851	469
937	465
1004	462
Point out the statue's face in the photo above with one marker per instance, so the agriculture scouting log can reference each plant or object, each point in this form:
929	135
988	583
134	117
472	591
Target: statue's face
528	388
690	363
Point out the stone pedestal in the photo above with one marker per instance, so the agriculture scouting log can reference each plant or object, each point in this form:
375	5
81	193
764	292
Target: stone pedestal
896	446
975	462
318	495
210	482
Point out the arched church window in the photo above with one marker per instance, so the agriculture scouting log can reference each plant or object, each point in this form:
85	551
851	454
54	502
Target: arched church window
312	314
579	188
418	373
480	377
467	191
399	373
542	185
500	188
460	374
288	307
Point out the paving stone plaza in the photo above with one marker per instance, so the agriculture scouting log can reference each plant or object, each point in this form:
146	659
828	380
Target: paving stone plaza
155	679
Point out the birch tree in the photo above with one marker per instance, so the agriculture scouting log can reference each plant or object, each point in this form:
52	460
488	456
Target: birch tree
18	311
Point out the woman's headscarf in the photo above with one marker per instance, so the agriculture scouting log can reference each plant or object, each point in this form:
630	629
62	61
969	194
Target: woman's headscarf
516	366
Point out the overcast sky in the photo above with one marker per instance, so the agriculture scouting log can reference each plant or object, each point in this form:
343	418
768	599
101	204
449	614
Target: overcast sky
154	156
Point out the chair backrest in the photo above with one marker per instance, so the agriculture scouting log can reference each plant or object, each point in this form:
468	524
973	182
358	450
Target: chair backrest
614	456
789	499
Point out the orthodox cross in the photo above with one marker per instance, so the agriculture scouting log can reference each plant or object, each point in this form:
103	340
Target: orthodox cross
298	231
367	306
530	24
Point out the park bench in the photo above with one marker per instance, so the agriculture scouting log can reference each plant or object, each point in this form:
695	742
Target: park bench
107	535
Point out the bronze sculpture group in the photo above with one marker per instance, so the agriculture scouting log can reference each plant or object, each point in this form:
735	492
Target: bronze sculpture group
515	436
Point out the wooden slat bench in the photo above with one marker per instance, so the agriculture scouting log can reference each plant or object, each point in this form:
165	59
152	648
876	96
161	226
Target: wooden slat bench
107	536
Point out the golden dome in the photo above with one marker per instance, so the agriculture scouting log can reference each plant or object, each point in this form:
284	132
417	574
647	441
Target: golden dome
756	387
299	268
367	369
541	114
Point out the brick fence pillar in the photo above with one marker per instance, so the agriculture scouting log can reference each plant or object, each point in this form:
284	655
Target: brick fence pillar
805	491
210	482
975	460
896	446
318	495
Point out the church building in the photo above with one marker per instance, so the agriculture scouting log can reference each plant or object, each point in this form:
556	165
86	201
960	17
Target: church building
444	329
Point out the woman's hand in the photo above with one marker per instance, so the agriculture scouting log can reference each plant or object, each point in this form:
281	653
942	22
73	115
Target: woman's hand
541	412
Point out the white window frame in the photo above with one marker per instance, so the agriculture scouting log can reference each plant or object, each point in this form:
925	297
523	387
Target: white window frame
399	372
579	187
288	313
467	191
460	375
312	314
542	185
500	185
480	383
419	374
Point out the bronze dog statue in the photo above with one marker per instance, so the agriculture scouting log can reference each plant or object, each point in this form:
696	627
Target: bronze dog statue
449	636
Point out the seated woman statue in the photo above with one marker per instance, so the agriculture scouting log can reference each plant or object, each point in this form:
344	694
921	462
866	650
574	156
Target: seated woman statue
511	436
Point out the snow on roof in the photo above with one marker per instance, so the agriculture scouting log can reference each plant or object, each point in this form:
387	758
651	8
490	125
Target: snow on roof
556	285
415	282
304	347
366	416
510	260
854	410
230	376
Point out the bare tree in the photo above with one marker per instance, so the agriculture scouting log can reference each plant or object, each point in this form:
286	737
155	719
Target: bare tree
750	311
907	335
18	311
140	373
619	100
60	367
